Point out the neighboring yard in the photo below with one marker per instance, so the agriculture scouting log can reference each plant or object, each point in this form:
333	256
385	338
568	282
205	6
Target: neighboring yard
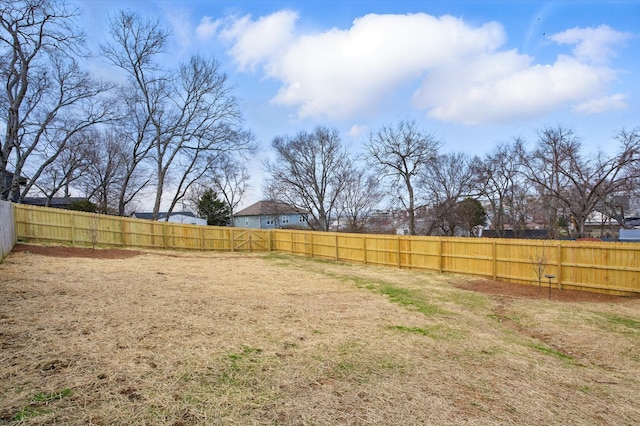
126	337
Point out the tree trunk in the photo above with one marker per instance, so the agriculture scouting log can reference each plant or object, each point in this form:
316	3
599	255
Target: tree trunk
412	209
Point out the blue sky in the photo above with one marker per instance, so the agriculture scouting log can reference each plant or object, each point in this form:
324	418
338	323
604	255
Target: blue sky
472	73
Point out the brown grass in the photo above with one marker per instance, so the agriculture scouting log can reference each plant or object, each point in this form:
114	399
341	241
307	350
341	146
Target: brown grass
175	338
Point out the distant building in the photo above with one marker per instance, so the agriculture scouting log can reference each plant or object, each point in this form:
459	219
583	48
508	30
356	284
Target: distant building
630	235
8	180
269	215
403	229
632	222
175	217
54	202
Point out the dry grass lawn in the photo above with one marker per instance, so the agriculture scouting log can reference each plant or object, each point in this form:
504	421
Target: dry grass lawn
209	338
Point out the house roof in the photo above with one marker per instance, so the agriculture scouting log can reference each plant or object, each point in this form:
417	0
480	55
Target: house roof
632	221
54	202
161	215
264	207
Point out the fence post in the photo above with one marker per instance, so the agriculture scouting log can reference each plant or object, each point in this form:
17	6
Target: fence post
440	242
399	262
164	234
123	231
269	240
364	248
121	222
232	240
336	244
559	260
494	254
311	238
73	229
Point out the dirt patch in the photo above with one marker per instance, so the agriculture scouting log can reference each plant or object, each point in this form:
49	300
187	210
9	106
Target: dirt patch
66	251
533	292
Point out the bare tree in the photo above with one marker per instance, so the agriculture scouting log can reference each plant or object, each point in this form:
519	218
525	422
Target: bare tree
498	178
399	155
66	168
546	163
190	115
539	261
446	180
522	208
231	180
578	183
228	177
135	136
361	194
210	123
73	105
616	205
134	48
310	172
47	96
105	157
93	230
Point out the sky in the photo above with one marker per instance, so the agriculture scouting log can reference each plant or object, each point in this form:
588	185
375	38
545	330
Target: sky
471	73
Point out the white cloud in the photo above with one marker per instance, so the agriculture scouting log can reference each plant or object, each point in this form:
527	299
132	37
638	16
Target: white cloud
179	20
502	86
592	44
506	86
207	27
460	72
339	72
263	40
358	130
608	103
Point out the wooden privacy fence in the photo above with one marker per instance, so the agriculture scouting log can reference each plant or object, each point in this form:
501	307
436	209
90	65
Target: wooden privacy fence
595	266
78	228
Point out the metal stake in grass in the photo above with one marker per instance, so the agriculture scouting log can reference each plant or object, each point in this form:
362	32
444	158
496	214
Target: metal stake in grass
550	277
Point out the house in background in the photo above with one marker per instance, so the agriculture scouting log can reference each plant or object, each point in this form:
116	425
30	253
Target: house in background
269	215
8	180
175	217
54	202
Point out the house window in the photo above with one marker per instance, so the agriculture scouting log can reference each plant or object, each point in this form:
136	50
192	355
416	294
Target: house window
284	220
301	220
246	221
269	220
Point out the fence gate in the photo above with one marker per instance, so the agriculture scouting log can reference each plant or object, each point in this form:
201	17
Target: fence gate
250	241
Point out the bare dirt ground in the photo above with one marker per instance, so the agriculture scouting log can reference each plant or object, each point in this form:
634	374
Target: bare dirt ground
131	337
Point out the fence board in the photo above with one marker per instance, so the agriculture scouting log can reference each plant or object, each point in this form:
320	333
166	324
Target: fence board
596	266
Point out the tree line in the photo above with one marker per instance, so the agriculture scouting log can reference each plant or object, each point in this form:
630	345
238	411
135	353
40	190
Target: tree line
178	134
554	182
158	128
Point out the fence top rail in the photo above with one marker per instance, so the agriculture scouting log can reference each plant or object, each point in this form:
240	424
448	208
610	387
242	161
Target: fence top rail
624	245
563	243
